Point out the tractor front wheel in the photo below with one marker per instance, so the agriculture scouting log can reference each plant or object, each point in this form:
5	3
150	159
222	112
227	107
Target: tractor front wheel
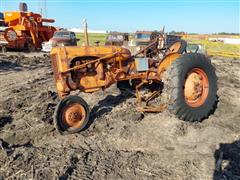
71	115
190	87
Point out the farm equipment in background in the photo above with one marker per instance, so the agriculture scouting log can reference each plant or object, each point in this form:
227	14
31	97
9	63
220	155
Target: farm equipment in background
117	39
142	39
170	78
25	30
3	26
60	38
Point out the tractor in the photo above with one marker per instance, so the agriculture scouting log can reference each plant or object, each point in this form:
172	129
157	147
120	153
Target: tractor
184	83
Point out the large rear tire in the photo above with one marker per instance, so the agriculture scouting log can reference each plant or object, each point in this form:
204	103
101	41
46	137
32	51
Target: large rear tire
71	115
190	87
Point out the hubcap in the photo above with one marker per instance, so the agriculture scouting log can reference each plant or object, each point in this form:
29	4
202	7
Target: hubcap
196	88
74	115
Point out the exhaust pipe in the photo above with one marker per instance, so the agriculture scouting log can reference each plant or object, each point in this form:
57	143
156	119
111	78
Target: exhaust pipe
86	32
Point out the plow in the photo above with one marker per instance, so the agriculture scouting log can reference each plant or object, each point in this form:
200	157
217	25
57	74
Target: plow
160	77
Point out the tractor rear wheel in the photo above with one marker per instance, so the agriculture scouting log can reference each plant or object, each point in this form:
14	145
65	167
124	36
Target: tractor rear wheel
190	87
71	115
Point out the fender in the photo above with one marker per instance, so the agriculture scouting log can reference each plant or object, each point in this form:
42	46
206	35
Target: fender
167	61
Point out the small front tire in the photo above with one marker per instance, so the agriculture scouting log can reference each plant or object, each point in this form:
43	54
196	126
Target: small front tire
71	115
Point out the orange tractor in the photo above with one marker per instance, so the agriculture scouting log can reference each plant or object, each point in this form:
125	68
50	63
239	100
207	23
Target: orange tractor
25	30
183	82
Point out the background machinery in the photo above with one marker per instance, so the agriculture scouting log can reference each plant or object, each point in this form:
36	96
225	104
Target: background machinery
25	30
117	39
60	38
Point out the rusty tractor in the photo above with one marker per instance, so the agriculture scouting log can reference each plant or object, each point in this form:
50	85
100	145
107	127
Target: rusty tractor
184	83
25	30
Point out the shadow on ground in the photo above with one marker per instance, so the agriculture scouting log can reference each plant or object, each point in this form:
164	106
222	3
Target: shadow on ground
6	65
5	120
227	162
106	105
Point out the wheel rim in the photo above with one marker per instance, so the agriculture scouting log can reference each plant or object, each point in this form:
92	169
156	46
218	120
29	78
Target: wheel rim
74	115
196	88
10	35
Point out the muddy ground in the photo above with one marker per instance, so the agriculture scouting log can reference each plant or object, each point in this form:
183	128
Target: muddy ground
120	143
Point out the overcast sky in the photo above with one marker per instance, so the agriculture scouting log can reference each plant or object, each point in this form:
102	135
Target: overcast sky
200	16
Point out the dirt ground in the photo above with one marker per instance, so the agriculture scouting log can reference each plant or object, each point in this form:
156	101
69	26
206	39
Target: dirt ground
119	143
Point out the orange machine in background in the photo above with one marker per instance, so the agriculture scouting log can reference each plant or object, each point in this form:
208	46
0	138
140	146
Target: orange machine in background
25	30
